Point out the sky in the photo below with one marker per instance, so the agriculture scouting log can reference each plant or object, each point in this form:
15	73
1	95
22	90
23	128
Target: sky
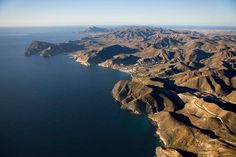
117	12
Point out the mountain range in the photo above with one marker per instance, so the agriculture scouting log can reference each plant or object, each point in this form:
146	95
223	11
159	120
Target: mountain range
183	80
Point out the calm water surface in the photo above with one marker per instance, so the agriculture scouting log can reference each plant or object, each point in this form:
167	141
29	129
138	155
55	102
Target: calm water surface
56	107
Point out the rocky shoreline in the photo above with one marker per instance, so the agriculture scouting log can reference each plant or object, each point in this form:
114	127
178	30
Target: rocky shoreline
184	121
184	81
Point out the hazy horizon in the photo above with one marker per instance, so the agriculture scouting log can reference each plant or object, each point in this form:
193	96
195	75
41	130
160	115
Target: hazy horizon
30	13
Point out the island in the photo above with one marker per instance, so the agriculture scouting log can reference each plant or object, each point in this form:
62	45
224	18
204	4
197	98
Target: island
183	80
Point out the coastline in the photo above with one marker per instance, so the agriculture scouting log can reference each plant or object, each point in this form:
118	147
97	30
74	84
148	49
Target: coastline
184	88
135	113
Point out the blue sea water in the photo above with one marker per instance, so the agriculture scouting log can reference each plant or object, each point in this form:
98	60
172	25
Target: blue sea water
54	107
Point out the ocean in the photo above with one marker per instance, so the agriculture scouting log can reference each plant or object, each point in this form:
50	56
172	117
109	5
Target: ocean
57	107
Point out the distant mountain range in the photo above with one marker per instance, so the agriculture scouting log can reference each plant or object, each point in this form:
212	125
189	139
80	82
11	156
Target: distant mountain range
95	30
185	81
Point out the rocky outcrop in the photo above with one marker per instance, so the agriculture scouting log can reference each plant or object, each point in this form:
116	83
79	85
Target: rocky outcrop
146	99
135	97
48	49
167	152
37	46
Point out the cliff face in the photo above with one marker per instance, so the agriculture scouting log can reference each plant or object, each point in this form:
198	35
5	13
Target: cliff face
184	81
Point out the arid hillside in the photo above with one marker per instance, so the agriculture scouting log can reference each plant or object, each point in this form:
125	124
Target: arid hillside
184	81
